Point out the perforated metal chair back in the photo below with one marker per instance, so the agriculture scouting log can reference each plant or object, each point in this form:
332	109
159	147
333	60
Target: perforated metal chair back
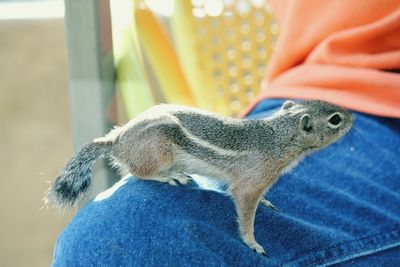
213	57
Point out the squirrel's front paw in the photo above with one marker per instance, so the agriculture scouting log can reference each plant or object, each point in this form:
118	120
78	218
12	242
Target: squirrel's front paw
252	243
268	204
258	248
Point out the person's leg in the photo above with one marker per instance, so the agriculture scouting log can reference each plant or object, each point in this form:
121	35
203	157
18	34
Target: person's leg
338	205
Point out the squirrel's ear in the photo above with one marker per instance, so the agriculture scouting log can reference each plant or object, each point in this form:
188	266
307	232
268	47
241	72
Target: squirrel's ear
305	123
288	104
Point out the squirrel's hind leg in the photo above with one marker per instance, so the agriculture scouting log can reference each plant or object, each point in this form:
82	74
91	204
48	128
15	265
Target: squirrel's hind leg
162	179
172	178
180	177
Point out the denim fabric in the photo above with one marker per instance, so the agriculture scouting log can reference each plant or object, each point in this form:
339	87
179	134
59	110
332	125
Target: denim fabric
340	205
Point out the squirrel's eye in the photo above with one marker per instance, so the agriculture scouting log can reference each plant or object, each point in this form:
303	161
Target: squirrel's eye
335	119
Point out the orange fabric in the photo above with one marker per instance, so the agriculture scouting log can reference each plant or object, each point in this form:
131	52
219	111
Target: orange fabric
338	51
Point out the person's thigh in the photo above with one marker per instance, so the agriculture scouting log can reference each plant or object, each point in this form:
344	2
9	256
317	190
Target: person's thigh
339	205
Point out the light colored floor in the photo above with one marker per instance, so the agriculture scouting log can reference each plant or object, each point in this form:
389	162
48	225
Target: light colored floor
35	137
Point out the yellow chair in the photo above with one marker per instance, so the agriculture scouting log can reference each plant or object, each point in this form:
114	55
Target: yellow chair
214	57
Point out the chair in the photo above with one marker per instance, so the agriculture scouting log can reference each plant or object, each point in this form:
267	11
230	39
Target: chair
214	56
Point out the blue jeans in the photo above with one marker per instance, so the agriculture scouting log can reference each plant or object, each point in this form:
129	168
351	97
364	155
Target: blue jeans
340	206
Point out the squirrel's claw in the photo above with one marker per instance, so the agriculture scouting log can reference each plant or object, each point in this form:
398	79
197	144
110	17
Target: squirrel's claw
181	178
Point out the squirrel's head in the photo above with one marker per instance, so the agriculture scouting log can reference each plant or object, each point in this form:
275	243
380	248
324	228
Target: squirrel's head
318	123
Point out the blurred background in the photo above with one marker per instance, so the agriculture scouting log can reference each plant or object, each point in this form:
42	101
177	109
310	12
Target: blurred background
71	70
35	134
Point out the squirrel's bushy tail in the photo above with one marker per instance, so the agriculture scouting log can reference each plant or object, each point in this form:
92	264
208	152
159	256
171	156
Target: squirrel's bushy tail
75	179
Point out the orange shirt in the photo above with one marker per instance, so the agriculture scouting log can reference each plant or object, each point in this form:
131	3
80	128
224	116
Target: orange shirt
337	50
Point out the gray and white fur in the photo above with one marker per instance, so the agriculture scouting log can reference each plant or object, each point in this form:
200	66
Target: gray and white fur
168	141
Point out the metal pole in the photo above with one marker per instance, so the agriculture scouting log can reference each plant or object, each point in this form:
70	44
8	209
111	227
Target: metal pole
91	75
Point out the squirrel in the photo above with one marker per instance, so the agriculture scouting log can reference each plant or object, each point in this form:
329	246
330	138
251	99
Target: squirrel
167	143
